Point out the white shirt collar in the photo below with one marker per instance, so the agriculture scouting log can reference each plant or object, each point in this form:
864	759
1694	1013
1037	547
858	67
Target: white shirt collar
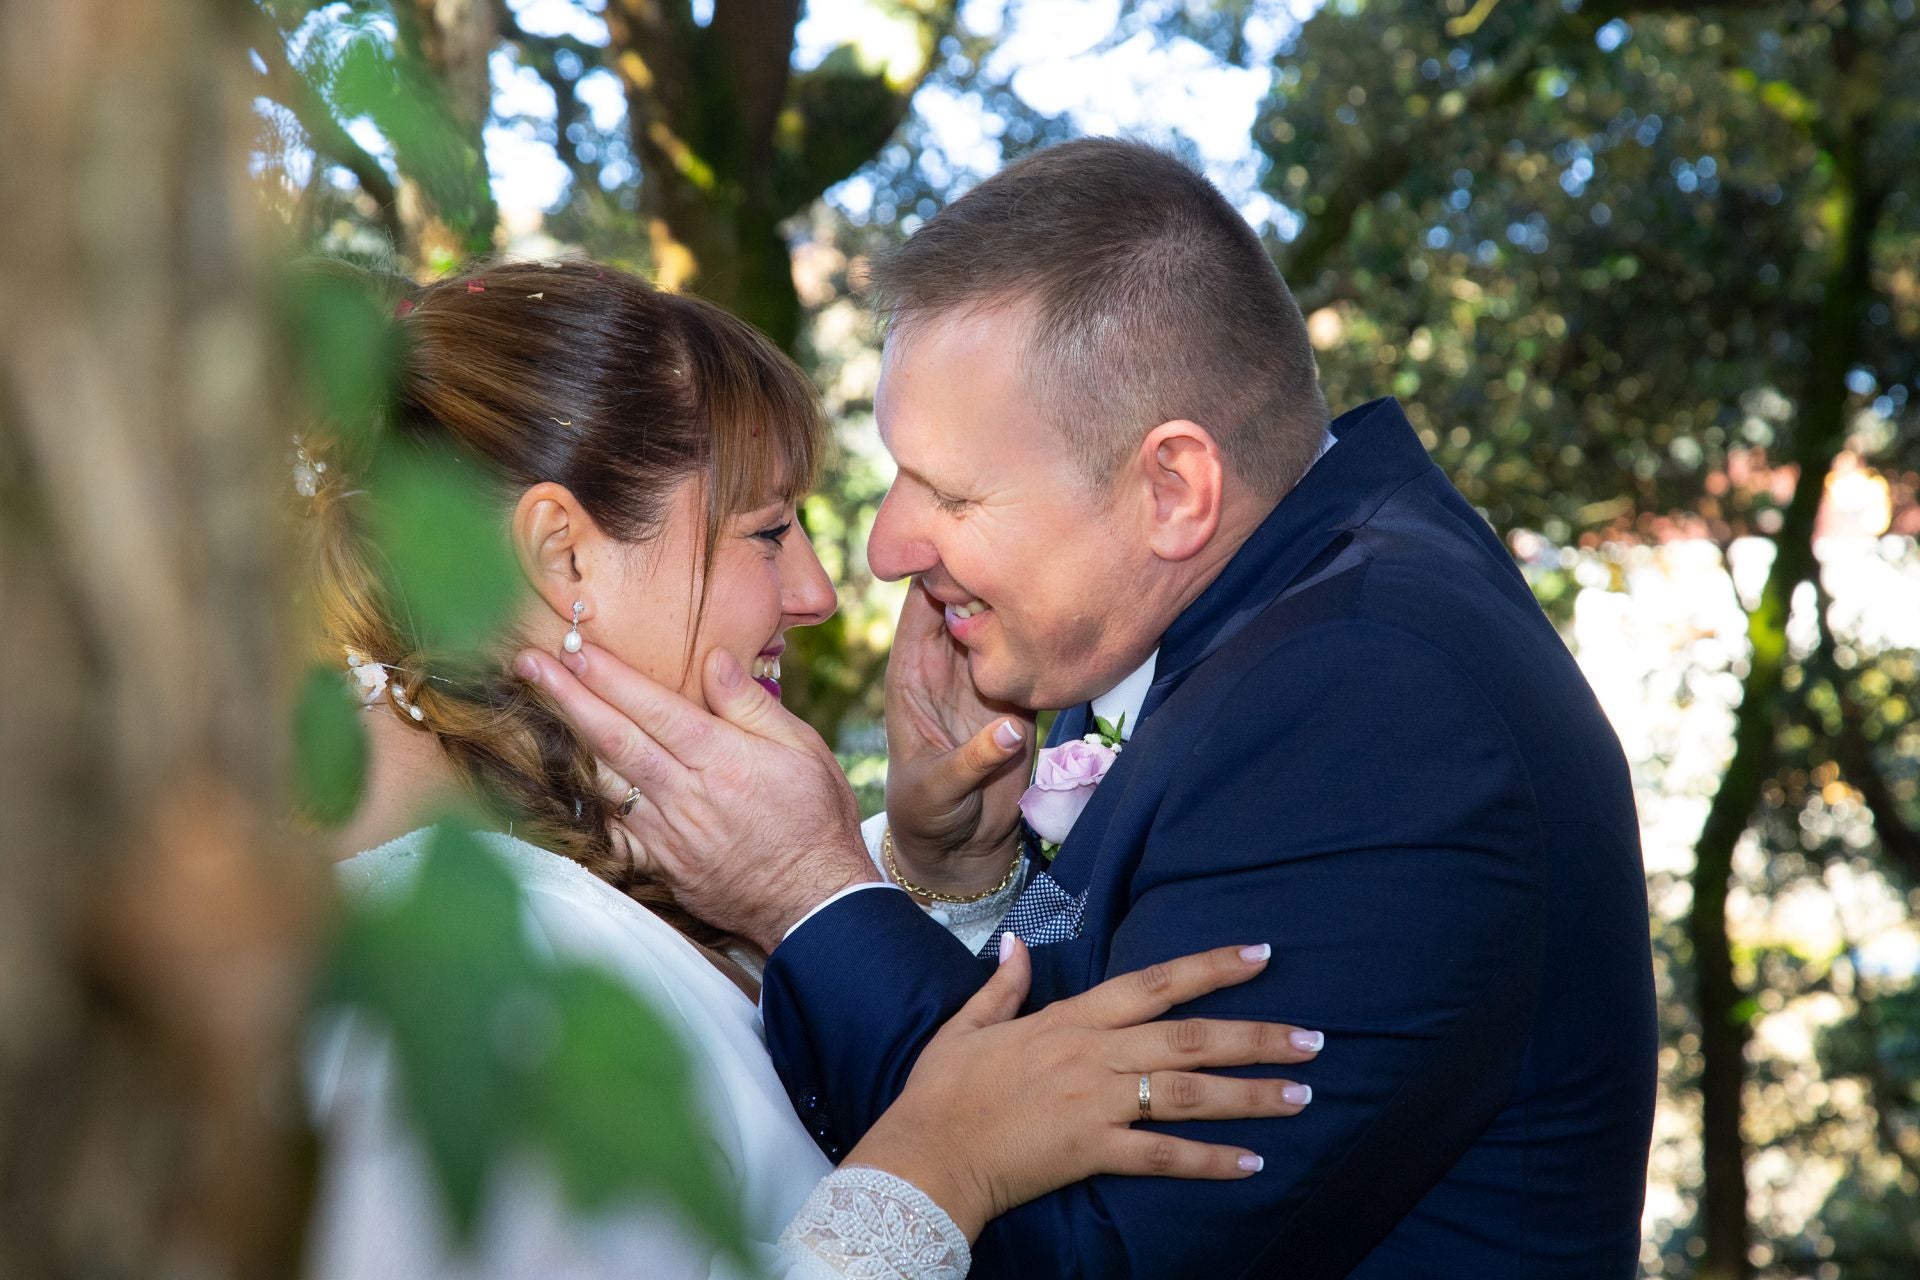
1125	698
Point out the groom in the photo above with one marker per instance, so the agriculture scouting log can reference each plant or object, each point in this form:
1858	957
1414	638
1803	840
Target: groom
1349	732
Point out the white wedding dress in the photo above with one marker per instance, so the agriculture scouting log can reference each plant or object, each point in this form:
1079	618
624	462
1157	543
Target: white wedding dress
376	1208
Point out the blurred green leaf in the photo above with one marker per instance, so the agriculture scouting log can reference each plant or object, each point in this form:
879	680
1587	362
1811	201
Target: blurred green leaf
441	537
612	1104
500	1049
346	347
329	748
441	969
407	106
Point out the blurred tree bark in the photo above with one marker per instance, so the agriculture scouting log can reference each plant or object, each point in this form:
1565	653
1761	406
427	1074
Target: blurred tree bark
151	956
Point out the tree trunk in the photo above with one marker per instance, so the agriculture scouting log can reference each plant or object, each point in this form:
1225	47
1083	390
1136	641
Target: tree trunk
452	40
731	143
151	955
1818	435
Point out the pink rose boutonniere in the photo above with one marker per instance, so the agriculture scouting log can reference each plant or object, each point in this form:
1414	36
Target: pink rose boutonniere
1063	781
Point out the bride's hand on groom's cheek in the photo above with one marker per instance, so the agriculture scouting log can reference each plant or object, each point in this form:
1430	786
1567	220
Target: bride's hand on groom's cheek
1001	1109
744	811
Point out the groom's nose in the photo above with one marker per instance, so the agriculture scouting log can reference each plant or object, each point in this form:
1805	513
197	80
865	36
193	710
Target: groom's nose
897	547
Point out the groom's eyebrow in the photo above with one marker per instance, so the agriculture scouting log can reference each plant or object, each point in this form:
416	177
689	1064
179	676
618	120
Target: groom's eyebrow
943	489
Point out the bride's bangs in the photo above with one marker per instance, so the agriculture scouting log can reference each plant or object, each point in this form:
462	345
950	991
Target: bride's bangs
767	432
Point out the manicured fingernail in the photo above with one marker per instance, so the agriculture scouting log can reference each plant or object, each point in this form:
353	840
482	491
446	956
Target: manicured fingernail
1308	1041
1006	947
574	662
1297	1095
726	668
1251	1164
1007	735
526	668
1257	955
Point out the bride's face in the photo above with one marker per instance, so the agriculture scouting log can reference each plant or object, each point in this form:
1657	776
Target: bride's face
764	578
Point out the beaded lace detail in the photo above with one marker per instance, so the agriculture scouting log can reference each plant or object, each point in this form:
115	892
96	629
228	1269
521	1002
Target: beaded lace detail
863	1224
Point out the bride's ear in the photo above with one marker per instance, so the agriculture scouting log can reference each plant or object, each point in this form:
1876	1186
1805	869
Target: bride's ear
553	539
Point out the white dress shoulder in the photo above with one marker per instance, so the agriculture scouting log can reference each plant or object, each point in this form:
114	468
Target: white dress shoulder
377	1212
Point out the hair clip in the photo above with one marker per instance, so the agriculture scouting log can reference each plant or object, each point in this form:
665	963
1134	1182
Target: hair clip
532	296
307	471
404	307
476	286
375	682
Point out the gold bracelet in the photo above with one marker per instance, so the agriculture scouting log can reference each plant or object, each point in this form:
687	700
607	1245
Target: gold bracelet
932	895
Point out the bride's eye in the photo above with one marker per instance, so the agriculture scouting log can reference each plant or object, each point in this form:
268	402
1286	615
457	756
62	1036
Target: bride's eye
775	534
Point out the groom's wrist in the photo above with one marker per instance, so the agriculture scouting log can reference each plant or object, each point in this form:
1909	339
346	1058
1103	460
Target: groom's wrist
803	907
967	872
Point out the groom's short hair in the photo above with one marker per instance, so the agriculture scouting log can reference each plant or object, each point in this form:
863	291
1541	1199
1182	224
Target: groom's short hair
1149	299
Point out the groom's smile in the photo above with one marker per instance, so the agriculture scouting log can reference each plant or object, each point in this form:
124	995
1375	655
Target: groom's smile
965	619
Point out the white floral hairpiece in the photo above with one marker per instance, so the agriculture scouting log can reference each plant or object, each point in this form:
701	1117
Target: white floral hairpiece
307	470
374	681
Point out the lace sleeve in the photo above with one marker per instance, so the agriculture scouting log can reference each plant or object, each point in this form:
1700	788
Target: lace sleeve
870	1225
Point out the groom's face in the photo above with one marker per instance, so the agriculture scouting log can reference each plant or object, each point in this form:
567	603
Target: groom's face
993	516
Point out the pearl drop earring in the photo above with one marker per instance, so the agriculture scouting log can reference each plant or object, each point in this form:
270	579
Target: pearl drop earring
572	641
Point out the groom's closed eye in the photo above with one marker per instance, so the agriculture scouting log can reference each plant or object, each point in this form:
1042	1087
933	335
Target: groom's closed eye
950	505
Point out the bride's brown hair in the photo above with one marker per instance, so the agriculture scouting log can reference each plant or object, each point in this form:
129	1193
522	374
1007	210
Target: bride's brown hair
593	379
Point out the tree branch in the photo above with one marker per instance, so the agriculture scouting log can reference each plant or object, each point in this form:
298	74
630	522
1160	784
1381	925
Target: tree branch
1899	840
754	42
845	117
329	140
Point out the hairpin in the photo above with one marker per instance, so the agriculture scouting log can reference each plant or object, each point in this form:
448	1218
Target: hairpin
476	286
375	682
307	470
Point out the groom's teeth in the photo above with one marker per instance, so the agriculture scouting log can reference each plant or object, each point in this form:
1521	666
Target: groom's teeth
765	668
970	608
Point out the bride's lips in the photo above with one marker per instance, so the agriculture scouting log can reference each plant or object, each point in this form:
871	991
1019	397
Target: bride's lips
766	669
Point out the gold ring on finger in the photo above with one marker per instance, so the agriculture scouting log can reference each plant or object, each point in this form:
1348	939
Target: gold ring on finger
627	802
1146	1096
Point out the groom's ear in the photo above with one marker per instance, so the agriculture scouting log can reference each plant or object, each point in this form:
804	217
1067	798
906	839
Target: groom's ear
552	538
1179	475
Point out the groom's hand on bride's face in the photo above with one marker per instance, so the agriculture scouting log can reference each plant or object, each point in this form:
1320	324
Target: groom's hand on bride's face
956	762
743	810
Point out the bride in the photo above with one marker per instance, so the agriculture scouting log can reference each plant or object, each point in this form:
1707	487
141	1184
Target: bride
646	451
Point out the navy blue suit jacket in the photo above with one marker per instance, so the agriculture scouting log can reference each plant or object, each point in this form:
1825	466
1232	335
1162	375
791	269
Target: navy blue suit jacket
1366	745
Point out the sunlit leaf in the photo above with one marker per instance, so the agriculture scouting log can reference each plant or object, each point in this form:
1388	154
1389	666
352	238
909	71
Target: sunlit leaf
329	747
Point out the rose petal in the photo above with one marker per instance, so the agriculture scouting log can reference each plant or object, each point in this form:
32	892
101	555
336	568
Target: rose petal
1051	812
